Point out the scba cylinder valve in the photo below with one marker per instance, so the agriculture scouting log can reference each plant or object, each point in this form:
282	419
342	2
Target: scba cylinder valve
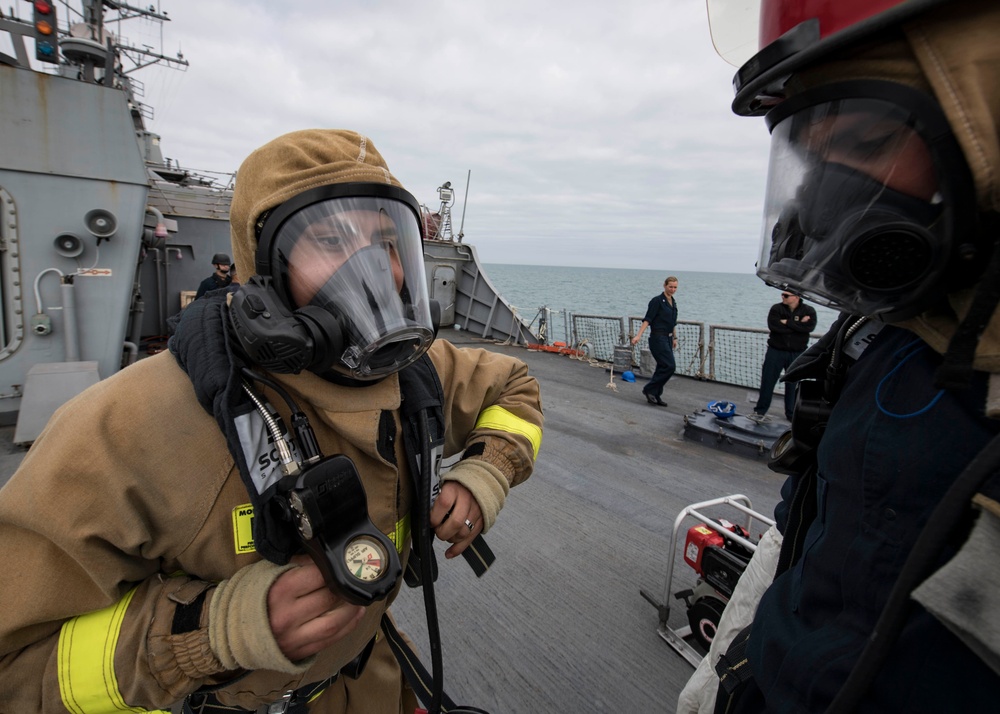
41	324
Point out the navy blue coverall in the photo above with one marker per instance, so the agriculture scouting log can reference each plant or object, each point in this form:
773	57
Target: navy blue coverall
662	319
785	343
875	491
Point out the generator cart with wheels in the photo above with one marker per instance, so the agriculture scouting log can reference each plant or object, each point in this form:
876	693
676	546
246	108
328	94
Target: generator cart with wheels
718	551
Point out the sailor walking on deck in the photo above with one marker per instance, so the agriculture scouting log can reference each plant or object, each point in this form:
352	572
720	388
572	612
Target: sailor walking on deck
661	319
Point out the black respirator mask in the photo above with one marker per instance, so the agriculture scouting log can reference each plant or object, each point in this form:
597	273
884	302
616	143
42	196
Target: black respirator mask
870	206
340	285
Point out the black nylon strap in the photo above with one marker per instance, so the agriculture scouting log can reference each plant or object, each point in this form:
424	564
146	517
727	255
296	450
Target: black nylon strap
479	556
202	345
187	617
733	667
956	370
416	674
421	389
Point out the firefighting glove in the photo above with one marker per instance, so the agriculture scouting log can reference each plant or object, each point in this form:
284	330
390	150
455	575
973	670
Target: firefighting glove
965	592
487	484
239	629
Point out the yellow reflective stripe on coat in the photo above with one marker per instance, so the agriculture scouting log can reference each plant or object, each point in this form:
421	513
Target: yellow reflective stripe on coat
87	681
502	420
400	533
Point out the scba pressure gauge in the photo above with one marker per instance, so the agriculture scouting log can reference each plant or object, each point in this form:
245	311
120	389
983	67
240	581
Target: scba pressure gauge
329	506
366	558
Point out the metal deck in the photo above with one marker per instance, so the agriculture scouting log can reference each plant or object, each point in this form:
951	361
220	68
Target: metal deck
558	623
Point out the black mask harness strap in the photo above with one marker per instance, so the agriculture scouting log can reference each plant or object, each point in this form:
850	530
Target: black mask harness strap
956	370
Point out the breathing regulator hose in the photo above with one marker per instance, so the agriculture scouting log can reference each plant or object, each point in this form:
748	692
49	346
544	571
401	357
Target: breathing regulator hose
426	537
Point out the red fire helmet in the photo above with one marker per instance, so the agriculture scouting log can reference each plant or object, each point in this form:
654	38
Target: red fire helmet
771	39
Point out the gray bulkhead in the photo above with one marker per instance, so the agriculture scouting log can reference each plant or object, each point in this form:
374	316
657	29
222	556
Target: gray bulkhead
68	149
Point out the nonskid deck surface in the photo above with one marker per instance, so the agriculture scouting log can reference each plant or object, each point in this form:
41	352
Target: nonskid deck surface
558	623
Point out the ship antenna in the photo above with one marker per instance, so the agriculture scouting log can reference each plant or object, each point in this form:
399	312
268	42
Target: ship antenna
461	228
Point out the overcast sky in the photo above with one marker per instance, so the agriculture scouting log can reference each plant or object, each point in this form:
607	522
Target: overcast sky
596	133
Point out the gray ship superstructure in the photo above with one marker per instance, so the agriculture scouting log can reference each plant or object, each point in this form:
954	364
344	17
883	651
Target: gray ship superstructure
100	236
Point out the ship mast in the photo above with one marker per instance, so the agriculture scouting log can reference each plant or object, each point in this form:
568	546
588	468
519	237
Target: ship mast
127	12
91	30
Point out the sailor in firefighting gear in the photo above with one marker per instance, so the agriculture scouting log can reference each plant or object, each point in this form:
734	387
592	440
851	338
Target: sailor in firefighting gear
133	533
882	201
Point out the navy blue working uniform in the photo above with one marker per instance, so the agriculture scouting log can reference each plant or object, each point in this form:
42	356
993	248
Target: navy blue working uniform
662	319
789	337
874	493
213	282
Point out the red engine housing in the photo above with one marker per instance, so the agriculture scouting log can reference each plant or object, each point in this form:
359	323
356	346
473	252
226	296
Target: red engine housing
701	537
698	538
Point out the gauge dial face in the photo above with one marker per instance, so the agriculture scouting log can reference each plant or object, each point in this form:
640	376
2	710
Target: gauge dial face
365	558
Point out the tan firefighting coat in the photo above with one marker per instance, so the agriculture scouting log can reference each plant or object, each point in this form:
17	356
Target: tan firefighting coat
129	500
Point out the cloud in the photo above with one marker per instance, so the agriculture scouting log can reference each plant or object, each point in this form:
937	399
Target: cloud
596	133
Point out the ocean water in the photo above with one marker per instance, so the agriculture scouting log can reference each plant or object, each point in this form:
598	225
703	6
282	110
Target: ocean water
714	298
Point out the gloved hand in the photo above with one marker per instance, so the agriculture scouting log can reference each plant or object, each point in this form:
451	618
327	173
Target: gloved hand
456	517
239	629
276	617
487	484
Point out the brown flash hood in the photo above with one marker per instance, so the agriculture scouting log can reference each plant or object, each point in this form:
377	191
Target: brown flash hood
289	165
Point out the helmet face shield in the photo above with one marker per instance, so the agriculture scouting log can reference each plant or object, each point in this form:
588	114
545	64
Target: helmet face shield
739	28
861	209
359	258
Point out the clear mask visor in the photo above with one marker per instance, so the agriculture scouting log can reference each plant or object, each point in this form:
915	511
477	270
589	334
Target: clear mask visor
361	260
854	215
735	28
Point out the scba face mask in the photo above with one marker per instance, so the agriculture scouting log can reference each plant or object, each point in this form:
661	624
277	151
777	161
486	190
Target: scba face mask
349	257
870	206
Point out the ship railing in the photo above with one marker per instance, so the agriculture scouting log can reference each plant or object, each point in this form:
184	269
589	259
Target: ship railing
594	334
721	353
735	354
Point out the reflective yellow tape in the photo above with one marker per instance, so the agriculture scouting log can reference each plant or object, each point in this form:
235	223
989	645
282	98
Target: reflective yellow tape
400	533
502	420
87	681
